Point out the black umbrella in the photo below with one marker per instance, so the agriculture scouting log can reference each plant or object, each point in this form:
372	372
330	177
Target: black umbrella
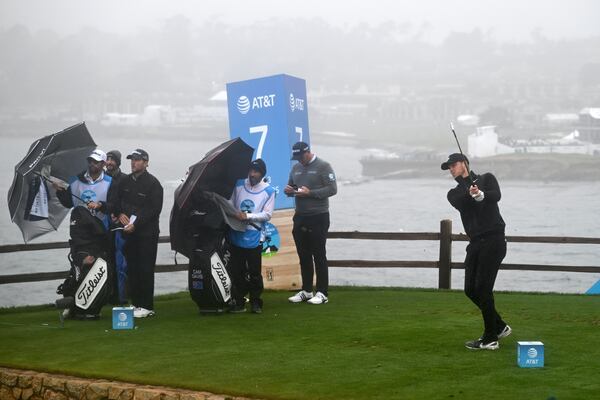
217	172
32	201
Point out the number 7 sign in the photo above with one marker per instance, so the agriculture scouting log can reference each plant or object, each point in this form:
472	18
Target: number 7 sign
270	114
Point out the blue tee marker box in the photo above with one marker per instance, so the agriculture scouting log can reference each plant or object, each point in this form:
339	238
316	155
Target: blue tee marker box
122	318
530	354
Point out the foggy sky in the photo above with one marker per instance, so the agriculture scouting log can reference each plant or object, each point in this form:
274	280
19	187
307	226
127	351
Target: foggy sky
508	20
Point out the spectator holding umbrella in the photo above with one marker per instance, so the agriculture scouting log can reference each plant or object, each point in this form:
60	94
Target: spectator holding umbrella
88	191
90	188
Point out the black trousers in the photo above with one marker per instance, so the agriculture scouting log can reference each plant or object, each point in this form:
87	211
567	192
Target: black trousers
310	236
140	253
246	265
482	262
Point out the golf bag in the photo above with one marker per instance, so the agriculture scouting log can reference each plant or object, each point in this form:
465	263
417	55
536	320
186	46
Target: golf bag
87	288
209	280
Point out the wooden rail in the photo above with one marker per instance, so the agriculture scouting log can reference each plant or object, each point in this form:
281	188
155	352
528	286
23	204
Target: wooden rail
444	264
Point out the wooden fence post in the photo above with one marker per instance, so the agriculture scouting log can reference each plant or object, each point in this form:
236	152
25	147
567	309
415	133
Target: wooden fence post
445	263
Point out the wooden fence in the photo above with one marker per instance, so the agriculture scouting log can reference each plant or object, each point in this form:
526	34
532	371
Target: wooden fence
444	264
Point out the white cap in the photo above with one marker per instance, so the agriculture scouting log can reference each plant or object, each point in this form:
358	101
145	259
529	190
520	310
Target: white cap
98	155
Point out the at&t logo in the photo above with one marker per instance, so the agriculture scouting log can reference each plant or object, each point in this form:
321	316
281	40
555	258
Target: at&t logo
532	352
296	103
243	105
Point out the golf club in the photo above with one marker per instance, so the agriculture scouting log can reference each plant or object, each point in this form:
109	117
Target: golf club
461	153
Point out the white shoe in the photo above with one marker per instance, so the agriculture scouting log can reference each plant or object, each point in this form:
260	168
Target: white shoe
140	312
505	332
301	296
319	298
480	345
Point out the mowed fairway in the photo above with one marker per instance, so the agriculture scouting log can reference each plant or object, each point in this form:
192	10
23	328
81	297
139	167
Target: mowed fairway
364	344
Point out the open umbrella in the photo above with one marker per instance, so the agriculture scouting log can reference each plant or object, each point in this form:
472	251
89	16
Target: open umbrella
218	170
215	175
32	202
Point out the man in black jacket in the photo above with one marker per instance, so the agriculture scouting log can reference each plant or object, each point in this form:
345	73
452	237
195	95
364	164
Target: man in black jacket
138	203
476	197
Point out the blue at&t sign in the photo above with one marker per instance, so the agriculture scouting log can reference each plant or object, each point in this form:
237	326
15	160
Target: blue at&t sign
270	114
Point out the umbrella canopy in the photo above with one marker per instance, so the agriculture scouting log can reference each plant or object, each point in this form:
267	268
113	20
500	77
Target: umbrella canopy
216	173
32	202
218	170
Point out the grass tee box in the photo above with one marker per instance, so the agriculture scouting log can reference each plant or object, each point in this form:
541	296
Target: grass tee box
364	344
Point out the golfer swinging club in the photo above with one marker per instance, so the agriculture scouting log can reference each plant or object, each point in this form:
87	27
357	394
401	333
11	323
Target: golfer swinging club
476	198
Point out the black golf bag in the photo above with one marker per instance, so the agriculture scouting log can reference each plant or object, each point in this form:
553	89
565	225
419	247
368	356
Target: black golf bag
87	288
209	280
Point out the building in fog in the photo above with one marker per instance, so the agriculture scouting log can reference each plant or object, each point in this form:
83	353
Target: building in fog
589	125
485	143
157	116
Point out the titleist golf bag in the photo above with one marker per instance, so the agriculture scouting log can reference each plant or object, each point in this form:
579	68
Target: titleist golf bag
87	287
208	277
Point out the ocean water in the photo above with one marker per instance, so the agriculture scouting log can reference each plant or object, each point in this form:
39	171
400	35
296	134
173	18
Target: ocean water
411	205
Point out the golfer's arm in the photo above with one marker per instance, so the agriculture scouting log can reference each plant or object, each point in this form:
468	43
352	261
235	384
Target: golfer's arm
458	199
492	189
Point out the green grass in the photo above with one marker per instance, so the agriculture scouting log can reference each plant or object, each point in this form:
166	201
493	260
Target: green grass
364	344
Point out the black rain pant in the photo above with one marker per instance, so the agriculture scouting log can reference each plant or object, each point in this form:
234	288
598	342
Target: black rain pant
246	265
484	256
140	253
